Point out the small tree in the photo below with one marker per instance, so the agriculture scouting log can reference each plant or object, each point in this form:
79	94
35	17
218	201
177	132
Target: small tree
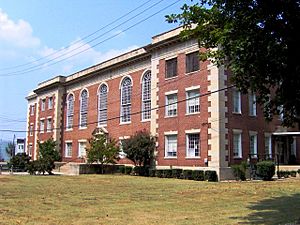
20	161
48	154
10	149
102	150
139	148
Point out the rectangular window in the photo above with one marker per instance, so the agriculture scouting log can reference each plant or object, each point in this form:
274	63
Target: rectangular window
50	102
32	110
171	68
70	114
236	101
170	145
171	105
122	154
252	104
49	125
68	149
237	144
192	62
193	101
81	149
268	146
31	130
42	126
30	149
43	104
253	144
192	145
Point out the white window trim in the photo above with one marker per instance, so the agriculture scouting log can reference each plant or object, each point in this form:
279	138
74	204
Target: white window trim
187	99
50	106
28	151
42	131
67	122
171	92
79	153
269	135
121	96
68	142
240	153
43	104
81	127
142	92
49	130
167	103
98	108
187	145
240	102
31	131
192	131
254	133
166	146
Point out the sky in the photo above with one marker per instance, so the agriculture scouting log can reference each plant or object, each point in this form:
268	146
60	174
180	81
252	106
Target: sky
42	39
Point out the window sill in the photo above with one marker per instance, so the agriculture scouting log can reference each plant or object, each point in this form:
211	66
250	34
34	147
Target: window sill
195	157
191	73
253	116
170	116
69	129
102	125
237	157
82	128
190	114
170	157
147	120
125	123
170	78
68	156
237	113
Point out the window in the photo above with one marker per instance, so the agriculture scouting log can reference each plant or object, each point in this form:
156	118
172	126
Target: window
252	104
68	150
192	145
192	62
146	96
237	144
31	129
42	126
294	147
171	145
193	101
32	110
81	149
49	125
236	101
83	109
253	144
171	68
122	154
70	111
50	102
43	104
268	146
102	105
171	105
30	149
126	91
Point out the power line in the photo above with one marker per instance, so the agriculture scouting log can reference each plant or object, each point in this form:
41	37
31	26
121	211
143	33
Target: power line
85	37
43	65
131	114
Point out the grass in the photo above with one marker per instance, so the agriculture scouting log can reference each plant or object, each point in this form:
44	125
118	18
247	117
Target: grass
113	199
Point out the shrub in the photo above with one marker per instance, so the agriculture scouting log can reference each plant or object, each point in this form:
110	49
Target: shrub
176	173
298	171
167	173
32	167
141	170
266	170
187	174
211	175
159	173
293	173
239	171
152	172
128	170
198	175
19	162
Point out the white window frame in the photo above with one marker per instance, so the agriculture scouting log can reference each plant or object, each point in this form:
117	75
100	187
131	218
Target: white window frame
67	150
30	148
42	125
70	112
252	104
171	105
126	99
192	102
188	149
49	127
146	96
236	101
43	104
171	149
102	104
50	102
83	115
32	110
237	134
31	129
81	153
268	138
253	146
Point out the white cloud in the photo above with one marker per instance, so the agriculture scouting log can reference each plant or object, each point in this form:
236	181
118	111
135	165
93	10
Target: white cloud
18	33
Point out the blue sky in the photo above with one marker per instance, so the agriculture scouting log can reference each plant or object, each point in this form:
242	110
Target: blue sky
35	30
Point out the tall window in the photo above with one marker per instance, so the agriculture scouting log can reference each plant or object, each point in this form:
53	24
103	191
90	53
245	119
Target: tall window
31	129
30	149
83	109
102	105
192	62
126	91
192	145
171	105
68	149
193	101
42	126
268	146
236	101
70	111
32	110
171	145
252	104
43	104
253	144
171	68
49	125
50	102
81	149
237	144
146	96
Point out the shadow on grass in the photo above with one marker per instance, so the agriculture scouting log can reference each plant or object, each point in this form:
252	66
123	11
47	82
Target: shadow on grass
278	210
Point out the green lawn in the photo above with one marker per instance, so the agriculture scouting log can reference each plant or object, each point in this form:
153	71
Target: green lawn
113	199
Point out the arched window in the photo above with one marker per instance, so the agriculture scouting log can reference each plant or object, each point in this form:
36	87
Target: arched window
70	111
83	108
146	96
102	105
126	90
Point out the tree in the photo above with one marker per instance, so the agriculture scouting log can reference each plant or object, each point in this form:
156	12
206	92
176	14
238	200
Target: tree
258	41
48	154
20	161
139	148
10	149
102	150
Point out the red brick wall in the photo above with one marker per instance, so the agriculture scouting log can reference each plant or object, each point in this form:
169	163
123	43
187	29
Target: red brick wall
31	120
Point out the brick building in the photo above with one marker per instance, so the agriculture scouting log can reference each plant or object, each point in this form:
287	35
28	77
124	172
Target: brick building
162	88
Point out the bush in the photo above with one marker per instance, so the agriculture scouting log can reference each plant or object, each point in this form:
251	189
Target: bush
141	170
239	171
32	167
198	175
266	170
298	171
152	172
167	173
176	173
293	173
211	175
159	173
128	170
19	162
187	174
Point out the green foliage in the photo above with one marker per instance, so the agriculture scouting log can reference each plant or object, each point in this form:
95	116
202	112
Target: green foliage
141	170
152	172
102	150
139	148
176	173
198	175
265	169
19	161
159	173
167	173
211	175
286	173
298	171
257	41
187	174
10	149
239	171
128	170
